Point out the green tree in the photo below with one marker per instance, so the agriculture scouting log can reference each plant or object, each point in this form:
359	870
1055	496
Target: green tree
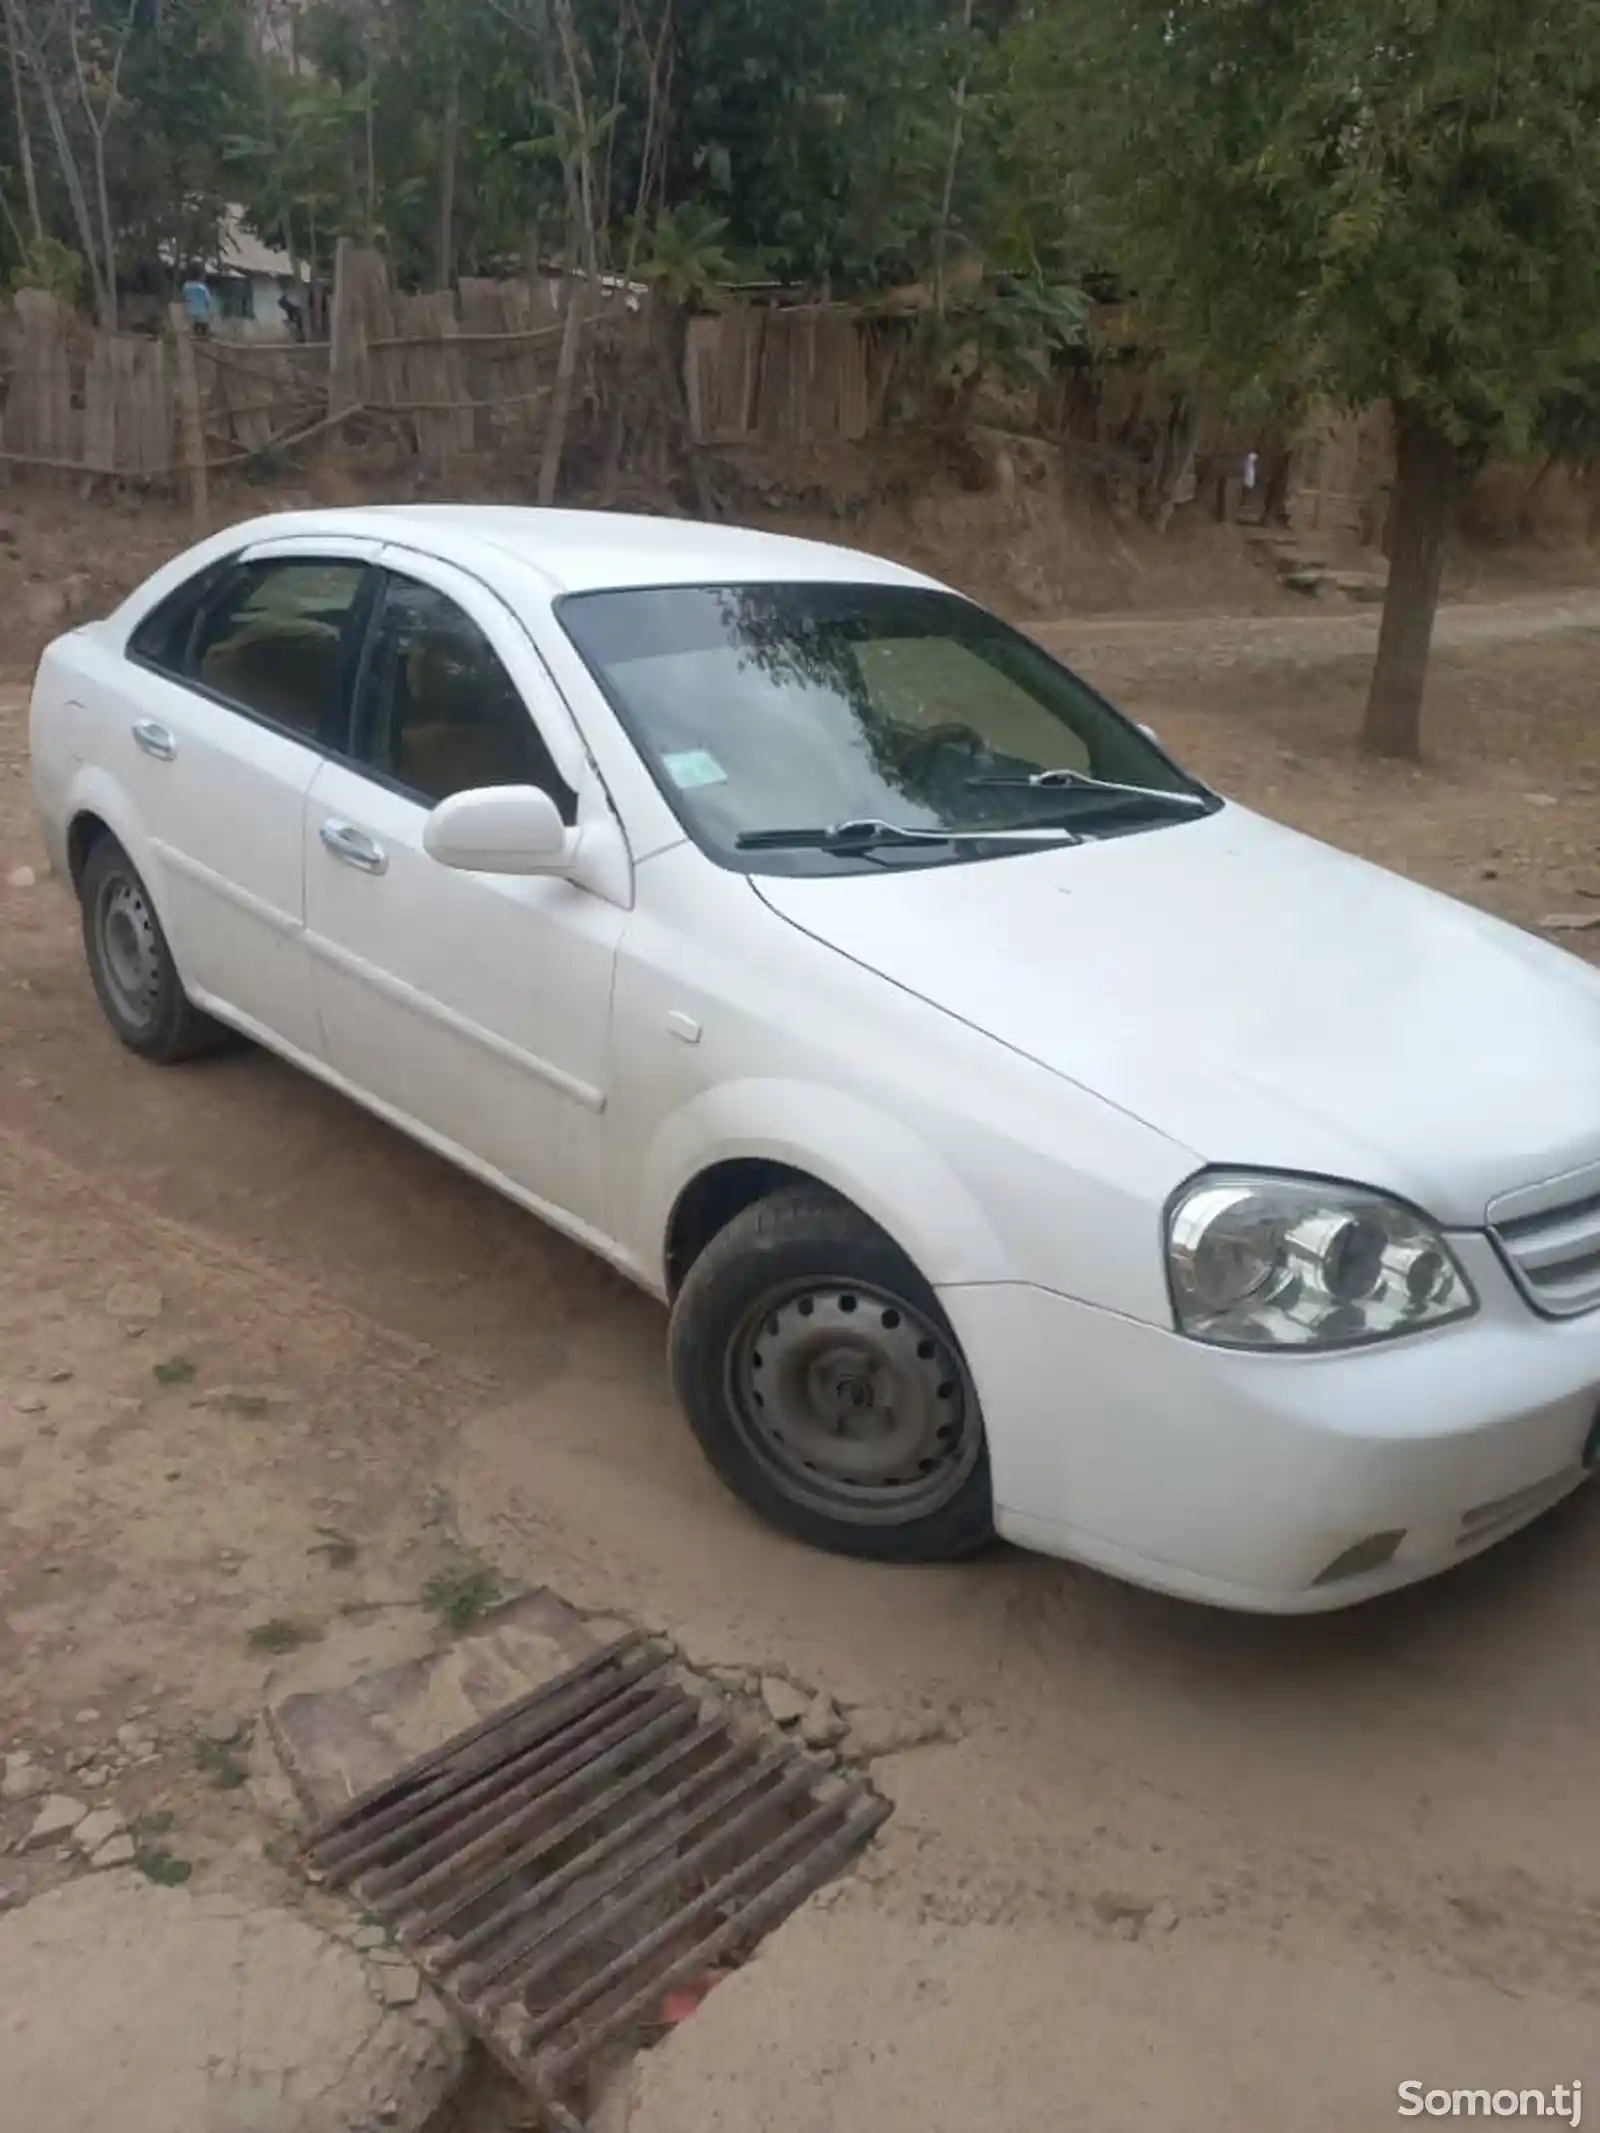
1373	199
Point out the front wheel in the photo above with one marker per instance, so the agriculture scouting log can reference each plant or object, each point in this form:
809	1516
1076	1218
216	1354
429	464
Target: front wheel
825	1384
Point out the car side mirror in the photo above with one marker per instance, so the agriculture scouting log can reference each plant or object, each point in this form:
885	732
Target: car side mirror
500	829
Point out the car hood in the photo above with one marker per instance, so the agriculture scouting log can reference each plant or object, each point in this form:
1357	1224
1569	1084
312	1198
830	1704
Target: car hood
1256	996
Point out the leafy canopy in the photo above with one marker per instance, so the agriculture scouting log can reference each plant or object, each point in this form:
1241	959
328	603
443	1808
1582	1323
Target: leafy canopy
1369	198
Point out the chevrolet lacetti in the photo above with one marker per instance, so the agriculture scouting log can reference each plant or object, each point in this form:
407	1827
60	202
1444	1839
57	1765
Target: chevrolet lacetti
1024	1136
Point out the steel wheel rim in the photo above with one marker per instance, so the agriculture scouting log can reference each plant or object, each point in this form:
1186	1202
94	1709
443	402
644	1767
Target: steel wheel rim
127	949
853	1401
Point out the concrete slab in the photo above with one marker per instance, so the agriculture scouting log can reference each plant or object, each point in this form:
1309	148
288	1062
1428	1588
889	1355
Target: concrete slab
850	2018
151	2010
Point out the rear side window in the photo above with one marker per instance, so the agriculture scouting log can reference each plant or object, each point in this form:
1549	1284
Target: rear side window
439	713
162	638
278	638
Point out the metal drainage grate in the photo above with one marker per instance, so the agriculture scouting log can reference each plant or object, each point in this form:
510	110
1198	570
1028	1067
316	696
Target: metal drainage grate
558	1869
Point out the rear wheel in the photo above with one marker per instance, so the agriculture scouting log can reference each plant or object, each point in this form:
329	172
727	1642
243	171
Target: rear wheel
826	1386
131	966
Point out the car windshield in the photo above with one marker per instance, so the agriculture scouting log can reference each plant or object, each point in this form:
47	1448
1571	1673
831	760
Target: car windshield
772	707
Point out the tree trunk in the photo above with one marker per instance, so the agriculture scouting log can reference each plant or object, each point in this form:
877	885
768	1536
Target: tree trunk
21	29
1428	475
578	295
447	180
30	177
107	238
952	162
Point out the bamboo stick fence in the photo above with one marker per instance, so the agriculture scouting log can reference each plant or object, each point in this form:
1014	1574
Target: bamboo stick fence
482	373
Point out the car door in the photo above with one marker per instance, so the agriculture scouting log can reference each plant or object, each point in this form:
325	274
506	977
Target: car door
473	1008
232	688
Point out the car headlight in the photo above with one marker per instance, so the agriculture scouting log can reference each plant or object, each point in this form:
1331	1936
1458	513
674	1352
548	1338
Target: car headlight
1265	1262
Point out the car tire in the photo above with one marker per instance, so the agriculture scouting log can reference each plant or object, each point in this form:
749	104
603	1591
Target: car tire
812	1358
131	967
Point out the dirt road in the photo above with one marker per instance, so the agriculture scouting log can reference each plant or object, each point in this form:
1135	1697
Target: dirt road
1149	1864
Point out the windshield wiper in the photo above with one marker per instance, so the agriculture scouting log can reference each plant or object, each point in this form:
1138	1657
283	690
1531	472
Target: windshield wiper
1081	781
868	834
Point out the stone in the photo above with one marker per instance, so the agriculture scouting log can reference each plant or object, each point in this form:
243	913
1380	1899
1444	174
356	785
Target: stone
23	1779
116	1851
786	1704
194	2011
399	1984
223	1728
12	1895
85	1717
31	1403
1556	922
1163	1916
57	1818
877	1730
22	878
821	1727
98	1828
368	1937
95	1777
135	1741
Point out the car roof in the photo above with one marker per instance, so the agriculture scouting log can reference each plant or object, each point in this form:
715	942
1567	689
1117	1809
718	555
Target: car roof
589	551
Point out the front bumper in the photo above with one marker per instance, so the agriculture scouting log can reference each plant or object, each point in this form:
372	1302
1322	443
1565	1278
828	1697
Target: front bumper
1242	1479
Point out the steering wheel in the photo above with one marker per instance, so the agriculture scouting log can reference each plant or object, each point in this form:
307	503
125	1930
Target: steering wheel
951	733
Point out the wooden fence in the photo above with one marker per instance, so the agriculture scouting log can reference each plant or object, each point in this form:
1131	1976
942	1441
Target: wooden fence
802	373
488	372
465	373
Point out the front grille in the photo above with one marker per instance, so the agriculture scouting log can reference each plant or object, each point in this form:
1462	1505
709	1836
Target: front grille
1550	1236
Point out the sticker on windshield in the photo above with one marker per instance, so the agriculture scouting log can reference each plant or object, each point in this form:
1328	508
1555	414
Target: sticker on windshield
692	767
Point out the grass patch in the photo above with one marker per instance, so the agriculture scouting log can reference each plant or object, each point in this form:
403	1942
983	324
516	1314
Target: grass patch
279	1634
221	1764
176	1370
164	1868
462	1595
244	1406
340	1550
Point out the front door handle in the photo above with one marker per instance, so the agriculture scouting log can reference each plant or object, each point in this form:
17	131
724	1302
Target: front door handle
154	739
353	846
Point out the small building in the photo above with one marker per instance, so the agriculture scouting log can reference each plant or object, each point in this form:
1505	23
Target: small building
249	281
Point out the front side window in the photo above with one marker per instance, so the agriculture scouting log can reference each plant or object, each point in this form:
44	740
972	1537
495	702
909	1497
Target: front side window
762	708
277	639
439	713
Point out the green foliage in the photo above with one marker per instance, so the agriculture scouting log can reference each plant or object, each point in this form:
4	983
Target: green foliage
718	138
226	1769
683	254
463	1593
159	1865
52	266
279	1633
1372	198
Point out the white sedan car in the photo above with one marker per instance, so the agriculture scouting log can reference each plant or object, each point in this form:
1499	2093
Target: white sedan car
1024	1137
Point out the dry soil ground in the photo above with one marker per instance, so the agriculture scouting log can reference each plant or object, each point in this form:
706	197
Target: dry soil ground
1149	1865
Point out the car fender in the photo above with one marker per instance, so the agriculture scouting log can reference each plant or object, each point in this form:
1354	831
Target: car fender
95	791
857	1149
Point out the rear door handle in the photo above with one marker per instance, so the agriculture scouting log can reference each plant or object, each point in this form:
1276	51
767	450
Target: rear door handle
154	739
353	846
